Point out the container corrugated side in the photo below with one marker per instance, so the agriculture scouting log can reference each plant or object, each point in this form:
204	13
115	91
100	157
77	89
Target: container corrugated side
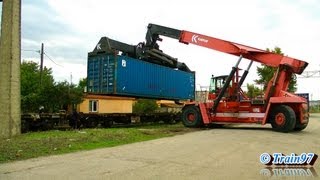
122	75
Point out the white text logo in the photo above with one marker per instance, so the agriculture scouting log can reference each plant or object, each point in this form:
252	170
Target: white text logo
195	38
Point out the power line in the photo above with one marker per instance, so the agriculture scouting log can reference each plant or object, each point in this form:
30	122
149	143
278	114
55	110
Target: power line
39	51
52	60
32	50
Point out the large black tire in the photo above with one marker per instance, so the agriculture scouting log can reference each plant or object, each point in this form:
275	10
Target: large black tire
299	126
191	116
282	118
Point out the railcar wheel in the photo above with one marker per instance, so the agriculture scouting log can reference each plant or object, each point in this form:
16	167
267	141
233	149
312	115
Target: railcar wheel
91	122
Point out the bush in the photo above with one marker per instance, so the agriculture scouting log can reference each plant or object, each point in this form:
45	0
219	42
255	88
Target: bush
145	106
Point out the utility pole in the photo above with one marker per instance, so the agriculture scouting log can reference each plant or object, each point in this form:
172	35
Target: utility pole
10	60
41	63
71	78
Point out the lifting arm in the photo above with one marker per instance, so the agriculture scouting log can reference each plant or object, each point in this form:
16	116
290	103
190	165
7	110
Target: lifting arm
254	54
154	31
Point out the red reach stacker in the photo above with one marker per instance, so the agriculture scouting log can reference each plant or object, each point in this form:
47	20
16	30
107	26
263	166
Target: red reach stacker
283	110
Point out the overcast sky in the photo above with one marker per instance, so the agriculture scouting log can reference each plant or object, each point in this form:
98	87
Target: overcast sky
70	29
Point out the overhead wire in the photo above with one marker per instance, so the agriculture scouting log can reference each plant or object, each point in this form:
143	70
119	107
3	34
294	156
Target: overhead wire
52	60
32	50
38	51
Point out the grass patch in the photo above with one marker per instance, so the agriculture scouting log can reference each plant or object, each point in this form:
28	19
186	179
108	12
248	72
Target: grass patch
35	144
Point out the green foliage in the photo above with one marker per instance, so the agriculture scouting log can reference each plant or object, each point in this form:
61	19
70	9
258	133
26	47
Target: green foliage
49	94
32	93
82	83
145	106
66	94
253	91
265	73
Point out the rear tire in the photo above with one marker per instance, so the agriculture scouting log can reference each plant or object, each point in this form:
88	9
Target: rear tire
191	116
282	118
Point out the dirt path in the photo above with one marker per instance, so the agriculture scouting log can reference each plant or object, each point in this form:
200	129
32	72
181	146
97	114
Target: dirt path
228	153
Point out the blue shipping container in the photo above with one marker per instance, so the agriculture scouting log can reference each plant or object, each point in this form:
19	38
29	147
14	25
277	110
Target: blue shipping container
126	76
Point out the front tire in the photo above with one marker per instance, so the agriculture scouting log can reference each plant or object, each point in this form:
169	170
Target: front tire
282	118
191	116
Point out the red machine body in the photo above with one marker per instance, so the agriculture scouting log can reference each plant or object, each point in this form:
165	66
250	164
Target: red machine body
285	111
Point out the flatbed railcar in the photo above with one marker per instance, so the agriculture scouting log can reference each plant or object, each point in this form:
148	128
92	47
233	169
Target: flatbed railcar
63	120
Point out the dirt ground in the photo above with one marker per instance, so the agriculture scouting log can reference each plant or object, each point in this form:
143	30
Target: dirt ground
225	153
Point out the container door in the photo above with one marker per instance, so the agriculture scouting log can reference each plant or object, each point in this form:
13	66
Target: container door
108	74
93	74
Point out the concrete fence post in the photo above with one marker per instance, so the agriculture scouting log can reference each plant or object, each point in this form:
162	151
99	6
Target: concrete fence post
10	60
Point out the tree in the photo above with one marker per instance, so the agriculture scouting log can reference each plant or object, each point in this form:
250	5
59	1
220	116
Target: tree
253	91
66	94
82	83
49	94
76	93
32	93
265	73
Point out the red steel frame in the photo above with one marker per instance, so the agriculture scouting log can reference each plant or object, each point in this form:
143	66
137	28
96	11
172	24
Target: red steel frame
244	111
